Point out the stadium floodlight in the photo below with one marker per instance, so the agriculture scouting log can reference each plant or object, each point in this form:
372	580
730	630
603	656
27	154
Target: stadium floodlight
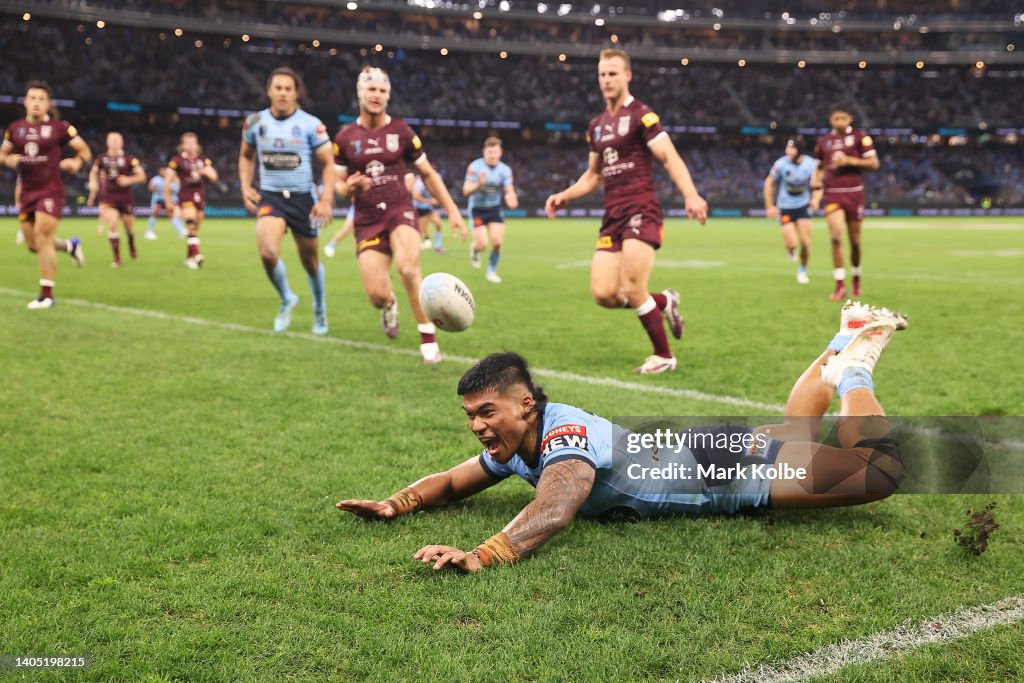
352	6
26	17
667	15
478	15
599	22
564	9
541	8
503	6
596	9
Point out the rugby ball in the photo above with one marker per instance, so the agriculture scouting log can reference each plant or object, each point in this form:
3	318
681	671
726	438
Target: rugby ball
447	301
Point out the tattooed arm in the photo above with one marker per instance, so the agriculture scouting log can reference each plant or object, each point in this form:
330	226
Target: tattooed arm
560	492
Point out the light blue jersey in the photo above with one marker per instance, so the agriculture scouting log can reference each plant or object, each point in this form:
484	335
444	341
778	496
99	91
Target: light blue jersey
158	189
285	148
420	188
492	190
794	181
629	478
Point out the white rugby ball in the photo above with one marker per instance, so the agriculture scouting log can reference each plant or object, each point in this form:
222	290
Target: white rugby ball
447	301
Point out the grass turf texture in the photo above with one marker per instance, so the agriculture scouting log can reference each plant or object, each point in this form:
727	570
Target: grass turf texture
169	488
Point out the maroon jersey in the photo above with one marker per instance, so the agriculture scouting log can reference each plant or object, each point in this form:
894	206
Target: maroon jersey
110	168
620	140
853	143
384	156
189	170
40	146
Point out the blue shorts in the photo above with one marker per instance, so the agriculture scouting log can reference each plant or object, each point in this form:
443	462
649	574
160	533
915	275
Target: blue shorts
792	215
424	210
293	207
731	496
155	202
482	217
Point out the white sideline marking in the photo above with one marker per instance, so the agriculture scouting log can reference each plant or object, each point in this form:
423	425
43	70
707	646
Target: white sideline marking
896	642
662	263
999	252
930	226
733	401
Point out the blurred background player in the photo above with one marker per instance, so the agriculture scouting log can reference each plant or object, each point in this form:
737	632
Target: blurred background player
192	170
112	176
33	146
842	155
622	141
580	464
157	204
373	156
427	216
287	139
488	179
787	196
350	222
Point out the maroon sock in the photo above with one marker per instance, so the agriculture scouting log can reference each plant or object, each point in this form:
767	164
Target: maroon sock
131	244
46	291
115	246
193	249
655	327
660	300
427	338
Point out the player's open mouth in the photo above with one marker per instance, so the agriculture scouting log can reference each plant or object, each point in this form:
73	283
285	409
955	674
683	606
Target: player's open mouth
491	443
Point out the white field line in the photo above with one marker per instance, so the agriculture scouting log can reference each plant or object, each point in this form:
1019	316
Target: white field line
896	642
692	394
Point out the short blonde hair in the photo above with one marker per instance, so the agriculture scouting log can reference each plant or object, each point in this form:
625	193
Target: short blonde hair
492	141
610	52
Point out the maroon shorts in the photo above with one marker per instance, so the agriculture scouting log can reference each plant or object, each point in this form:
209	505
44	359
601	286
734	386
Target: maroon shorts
124	206
851	203
192	198
31	204
375	233
639	223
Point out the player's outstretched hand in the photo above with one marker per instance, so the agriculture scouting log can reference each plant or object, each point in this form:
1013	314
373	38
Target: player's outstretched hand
448	556
251	198
368	509
458	225
554	203
697	207
772	213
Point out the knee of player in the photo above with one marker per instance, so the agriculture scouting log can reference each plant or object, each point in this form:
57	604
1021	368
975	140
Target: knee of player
885	469
408	271
607	299
380	299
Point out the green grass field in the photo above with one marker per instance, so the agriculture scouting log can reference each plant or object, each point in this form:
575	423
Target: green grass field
169	467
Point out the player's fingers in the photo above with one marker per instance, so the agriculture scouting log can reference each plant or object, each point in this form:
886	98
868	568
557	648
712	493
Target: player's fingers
447	558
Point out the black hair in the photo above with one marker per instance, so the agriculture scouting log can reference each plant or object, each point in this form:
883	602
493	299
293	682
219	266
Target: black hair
300	87
45	87
498	372
799	143
839	106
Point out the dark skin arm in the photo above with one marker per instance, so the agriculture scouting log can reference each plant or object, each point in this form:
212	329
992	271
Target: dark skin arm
436	490
561	491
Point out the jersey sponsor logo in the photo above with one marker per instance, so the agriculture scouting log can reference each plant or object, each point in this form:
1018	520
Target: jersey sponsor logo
866	141
565	436
48	206
833	206
264	210
358	146
408	215
281	161
848	141
624	126
610	156
321	128
391	142
604	242
31	149
635	221
597	134
416	143
296	132
374	169
45	131
649	119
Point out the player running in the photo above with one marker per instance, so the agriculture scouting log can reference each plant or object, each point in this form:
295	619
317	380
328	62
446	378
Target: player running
157	204
287	139
787	196
580	463
33	147
373	155
488	179
111	178
426	215
193	171
622	141
843	154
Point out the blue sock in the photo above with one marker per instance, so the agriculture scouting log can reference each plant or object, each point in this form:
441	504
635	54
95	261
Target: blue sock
803	269
493	260
855	378
437	240
178	225
316	285
152	224
840	342
279	278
